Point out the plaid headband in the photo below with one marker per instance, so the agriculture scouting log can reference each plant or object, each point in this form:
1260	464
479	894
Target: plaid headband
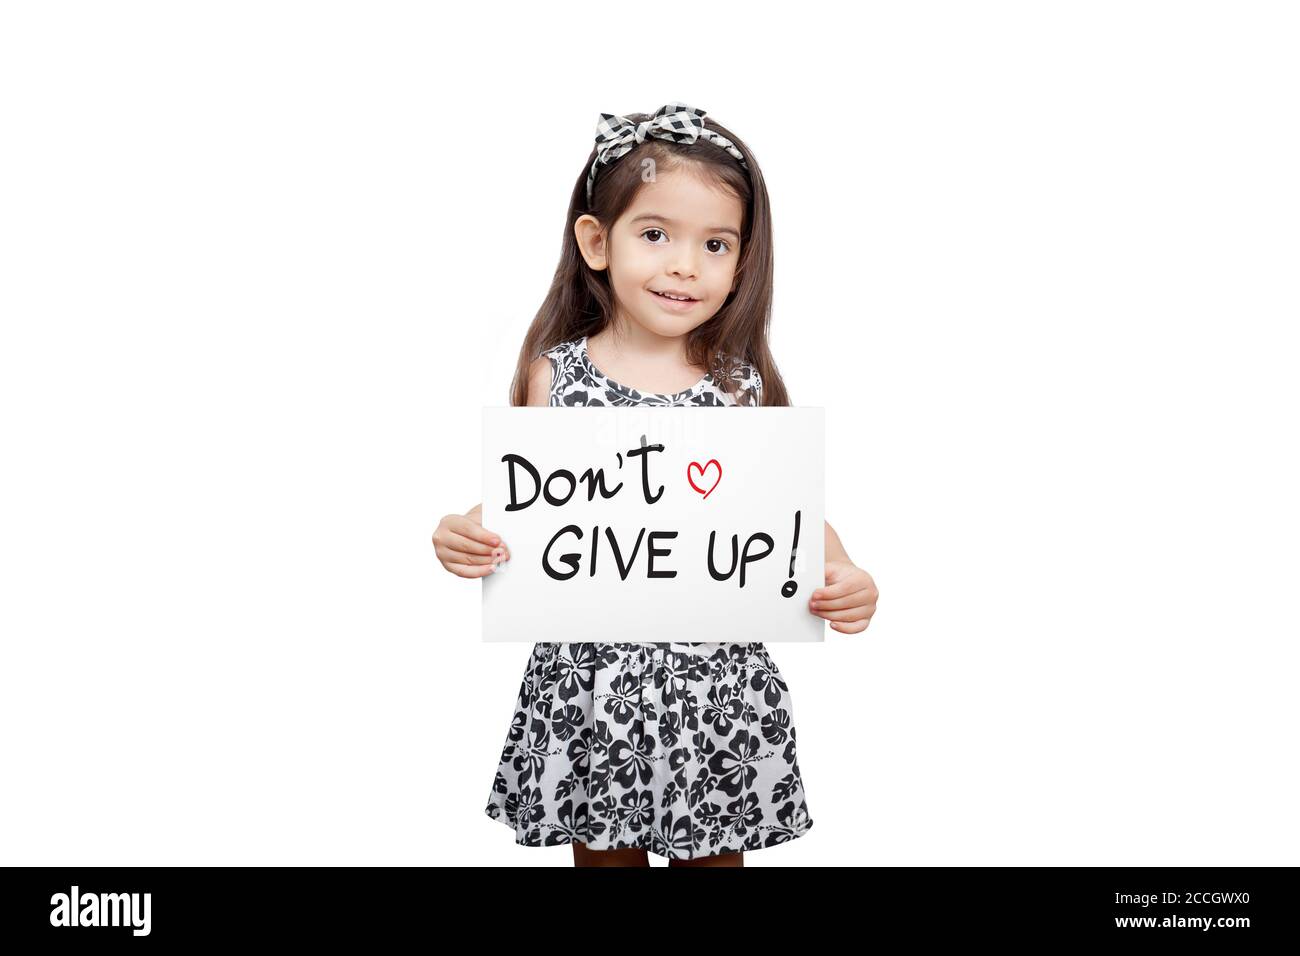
617	136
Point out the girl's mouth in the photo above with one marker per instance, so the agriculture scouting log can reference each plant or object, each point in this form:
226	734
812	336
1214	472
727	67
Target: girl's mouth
675	304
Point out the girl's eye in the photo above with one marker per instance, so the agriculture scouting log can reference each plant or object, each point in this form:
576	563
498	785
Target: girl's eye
650	235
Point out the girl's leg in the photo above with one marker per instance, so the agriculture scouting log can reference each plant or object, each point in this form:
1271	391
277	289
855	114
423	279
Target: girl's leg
718	859
583	856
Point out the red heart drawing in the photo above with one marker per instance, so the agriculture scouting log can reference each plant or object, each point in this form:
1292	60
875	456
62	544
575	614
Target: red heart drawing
702	469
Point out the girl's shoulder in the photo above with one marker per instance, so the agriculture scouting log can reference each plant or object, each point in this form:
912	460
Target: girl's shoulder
563	348
563	353
749	382
567	374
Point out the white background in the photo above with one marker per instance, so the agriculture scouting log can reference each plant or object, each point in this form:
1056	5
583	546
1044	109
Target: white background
261	264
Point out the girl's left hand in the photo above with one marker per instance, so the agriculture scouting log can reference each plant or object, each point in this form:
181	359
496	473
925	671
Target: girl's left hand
848	600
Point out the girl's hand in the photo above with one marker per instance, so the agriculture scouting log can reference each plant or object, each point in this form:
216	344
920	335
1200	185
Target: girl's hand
848	600
465	547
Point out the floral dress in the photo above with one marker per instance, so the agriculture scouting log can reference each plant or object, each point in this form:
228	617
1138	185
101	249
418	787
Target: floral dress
681	749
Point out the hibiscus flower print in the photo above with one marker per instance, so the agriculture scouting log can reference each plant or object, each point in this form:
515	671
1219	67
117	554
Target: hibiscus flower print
530	760
721	710
735	765
633	758
638	809
623	697
576	671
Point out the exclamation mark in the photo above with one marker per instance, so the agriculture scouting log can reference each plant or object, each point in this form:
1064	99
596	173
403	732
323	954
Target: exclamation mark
788	589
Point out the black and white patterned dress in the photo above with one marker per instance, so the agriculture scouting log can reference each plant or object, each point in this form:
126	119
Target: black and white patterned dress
681	749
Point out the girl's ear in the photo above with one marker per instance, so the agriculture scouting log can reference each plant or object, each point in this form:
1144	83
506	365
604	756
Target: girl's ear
592	241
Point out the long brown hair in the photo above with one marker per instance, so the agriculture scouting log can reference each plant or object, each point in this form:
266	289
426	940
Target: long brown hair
580	301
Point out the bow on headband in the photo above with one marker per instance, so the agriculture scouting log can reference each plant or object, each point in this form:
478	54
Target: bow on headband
617	136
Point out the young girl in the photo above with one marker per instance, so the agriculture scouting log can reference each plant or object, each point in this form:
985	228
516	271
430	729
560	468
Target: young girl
662	297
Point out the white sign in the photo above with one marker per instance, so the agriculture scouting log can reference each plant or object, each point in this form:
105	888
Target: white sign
654	524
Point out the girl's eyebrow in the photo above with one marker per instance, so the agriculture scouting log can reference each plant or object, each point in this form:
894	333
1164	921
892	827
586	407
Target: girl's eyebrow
659	218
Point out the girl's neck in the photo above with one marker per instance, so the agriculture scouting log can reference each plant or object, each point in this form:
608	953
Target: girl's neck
632	354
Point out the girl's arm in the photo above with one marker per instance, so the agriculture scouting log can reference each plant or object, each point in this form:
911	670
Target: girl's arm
834	547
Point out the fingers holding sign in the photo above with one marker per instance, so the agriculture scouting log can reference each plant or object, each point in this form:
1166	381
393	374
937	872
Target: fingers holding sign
848	600
466	548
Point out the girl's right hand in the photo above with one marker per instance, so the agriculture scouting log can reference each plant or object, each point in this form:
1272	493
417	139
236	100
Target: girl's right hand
465	547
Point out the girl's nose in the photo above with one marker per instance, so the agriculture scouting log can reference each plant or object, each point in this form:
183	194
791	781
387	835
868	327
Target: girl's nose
684	267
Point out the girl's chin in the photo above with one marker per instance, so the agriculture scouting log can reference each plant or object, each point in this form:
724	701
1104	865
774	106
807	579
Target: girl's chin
666	327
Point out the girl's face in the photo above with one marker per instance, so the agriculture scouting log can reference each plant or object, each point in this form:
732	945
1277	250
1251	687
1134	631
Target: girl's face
680	236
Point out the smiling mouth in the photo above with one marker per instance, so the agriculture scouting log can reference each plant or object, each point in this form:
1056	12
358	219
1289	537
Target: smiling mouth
674	298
